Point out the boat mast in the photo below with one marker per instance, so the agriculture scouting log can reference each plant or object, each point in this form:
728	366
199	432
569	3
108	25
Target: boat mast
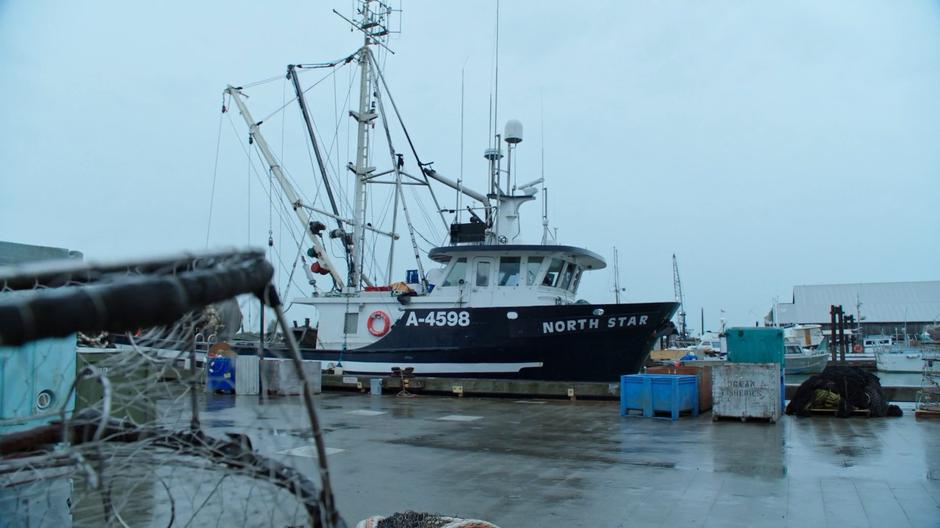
371	23
292	75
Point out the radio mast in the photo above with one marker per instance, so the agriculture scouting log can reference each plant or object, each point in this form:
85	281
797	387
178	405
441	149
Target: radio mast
617	288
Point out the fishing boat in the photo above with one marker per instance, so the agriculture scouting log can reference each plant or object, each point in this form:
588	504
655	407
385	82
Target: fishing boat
905	356
805	349
803	360
899	358
491	305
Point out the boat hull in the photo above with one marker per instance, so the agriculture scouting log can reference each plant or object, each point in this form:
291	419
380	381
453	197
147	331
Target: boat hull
794	363
806	363
899	362
575	342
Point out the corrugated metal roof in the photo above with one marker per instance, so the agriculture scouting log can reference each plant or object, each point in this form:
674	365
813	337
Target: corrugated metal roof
881	302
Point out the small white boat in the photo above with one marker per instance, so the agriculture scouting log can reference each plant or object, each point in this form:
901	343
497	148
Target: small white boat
805	349
799	360
900	359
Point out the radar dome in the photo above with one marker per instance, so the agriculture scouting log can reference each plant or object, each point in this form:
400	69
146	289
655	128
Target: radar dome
513	131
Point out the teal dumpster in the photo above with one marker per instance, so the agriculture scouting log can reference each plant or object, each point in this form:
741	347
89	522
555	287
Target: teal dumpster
755	345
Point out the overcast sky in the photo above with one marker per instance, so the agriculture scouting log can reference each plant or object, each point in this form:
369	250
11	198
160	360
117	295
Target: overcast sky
767	144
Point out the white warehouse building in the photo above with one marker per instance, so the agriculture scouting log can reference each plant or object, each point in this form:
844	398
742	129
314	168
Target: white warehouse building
889	308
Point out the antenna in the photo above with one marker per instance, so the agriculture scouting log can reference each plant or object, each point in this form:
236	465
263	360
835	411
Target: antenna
460	178
496	80
542	170
617	288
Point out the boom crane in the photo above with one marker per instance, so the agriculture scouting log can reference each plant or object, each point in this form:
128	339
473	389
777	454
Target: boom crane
296	203
677	286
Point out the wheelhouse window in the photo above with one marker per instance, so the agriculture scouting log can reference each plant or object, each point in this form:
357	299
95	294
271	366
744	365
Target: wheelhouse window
554	271
510	269
483	273
457	273
532	267
577	278
566	276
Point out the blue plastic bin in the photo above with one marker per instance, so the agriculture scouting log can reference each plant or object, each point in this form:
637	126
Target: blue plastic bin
652	393
220	375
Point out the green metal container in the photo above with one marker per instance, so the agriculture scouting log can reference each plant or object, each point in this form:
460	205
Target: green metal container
755	345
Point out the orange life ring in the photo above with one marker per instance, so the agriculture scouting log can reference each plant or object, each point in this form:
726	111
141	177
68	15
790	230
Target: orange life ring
857	349
386	323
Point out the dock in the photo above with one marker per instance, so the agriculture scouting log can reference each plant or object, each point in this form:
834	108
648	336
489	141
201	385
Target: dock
526	388
535	462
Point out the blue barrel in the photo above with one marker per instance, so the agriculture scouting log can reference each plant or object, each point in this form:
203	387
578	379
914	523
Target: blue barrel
220	375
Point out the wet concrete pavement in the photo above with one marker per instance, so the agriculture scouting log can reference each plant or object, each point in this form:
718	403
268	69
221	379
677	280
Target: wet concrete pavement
525	463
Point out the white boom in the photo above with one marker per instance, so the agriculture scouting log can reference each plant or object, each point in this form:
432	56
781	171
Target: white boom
296	203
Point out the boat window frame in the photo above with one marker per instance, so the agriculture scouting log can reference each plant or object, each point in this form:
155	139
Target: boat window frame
564	283
536	279
446	283
576	279
489	261
548	270
500	281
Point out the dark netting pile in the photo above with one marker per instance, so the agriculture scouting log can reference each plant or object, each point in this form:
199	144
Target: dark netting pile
411	519
843	389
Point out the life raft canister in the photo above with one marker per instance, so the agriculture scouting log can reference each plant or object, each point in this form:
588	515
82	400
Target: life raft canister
379	329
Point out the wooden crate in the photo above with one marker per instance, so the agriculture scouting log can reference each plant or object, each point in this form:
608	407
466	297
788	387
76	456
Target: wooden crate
747	390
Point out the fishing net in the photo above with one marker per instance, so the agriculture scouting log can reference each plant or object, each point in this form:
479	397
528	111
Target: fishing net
843	389
410	519
128	430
